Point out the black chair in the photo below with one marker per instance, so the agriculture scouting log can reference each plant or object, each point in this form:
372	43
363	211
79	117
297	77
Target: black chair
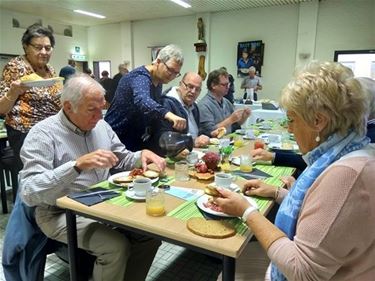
8	167
61	251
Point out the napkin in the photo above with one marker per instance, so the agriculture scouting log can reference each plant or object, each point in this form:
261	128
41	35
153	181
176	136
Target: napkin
254	174
93	196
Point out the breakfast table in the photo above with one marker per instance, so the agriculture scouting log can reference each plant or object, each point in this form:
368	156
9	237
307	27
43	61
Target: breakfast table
129	214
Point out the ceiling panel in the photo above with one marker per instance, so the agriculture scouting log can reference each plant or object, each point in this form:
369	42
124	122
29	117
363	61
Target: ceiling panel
129	10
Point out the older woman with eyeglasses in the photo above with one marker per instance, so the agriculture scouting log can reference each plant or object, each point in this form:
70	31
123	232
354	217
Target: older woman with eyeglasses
136	103
325	226
24	106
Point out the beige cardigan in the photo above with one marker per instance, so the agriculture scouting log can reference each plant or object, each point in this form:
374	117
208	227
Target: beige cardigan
335	236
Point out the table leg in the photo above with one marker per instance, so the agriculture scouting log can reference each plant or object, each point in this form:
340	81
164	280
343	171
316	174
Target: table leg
71	224
229	268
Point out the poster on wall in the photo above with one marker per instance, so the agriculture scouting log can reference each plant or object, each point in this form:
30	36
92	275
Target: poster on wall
249	54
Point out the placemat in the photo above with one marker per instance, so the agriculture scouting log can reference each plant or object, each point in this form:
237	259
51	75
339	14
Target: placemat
276	172
94	195
189	210
119	200
123	200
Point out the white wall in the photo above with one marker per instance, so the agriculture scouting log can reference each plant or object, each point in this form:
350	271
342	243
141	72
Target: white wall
179	30
10	38
345	25
275	26
317	28
110	42
278	30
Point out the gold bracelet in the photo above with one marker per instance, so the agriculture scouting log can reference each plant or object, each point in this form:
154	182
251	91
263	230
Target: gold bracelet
277	190
8	98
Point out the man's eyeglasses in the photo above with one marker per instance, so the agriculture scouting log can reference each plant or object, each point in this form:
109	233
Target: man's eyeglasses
191	87
226	85
39	48
172	71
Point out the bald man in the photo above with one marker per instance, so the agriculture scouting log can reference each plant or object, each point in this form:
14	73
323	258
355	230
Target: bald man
181	101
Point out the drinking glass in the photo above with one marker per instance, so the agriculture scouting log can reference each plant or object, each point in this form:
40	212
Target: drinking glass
181	169
246	164
155	205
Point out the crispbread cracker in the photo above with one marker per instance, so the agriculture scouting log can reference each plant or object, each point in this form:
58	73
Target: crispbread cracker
125	179
210	228
201	176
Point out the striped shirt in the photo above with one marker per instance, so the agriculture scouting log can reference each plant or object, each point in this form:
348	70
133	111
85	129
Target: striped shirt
49	153
35	104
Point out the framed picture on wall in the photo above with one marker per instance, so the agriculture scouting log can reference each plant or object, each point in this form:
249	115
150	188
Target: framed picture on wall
249	54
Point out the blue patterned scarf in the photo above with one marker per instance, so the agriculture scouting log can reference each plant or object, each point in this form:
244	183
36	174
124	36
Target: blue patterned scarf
318	160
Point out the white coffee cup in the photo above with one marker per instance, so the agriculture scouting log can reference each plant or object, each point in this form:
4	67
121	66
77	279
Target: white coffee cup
140	186
223	180
274	138
224	142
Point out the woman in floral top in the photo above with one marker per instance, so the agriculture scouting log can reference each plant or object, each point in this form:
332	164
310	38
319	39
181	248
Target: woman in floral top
24	106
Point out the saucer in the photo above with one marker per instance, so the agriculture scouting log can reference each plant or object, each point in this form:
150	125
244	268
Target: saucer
131	194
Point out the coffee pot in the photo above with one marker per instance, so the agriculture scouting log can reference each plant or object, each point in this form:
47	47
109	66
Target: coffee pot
172	143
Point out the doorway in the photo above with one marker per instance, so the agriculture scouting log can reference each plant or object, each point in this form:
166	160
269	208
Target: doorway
100	66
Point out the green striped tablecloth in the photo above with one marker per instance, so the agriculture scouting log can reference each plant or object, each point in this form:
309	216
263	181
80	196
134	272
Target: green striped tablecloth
122	200
189	209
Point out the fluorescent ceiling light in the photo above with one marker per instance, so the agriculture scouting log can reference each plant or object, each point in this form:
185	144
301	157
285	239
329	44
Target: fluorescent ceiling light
181	3
90	14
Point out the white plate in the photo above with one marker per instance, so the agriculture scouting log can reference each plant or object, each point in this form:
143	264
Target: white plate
124	174
235	161
130	194
42	83
233	187
240	131
204	198
200	153
246	137
279	146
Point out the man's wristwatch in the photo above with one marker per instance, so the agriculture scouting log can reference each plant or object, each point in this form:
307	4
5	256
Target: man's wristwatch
78	170
247	212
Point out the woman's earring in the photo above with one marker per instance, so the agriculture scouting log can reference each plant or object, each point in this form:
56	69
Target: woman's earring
317	139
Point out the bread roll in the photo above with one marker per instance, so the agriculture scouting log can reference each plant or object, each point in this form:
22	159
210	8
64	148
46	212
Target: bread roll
222	132
211	190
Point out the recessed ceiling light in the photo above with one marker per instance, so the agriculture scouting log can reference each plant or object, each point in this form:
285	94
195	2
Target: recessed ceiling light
90	14
181	3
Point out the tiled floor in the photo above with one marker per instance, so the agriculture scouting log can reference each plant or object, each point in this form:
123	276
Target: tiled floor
172	263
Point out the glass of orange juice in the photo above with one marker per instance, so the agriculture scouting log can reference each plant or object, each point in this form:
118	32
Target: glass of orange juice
246	164
238	141
155	205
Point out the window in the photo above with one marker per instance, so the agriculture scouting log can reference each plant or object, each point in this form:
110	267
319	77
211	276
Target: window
361	62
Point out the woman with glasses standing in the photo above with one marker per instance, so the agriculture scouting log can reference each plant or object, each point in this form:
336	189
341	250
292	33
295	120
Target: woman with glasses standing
24	106
136	103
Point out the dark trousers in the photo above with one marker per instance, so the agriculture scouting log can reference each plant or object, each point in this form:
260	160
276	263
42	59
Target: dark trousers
16	139
255	96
